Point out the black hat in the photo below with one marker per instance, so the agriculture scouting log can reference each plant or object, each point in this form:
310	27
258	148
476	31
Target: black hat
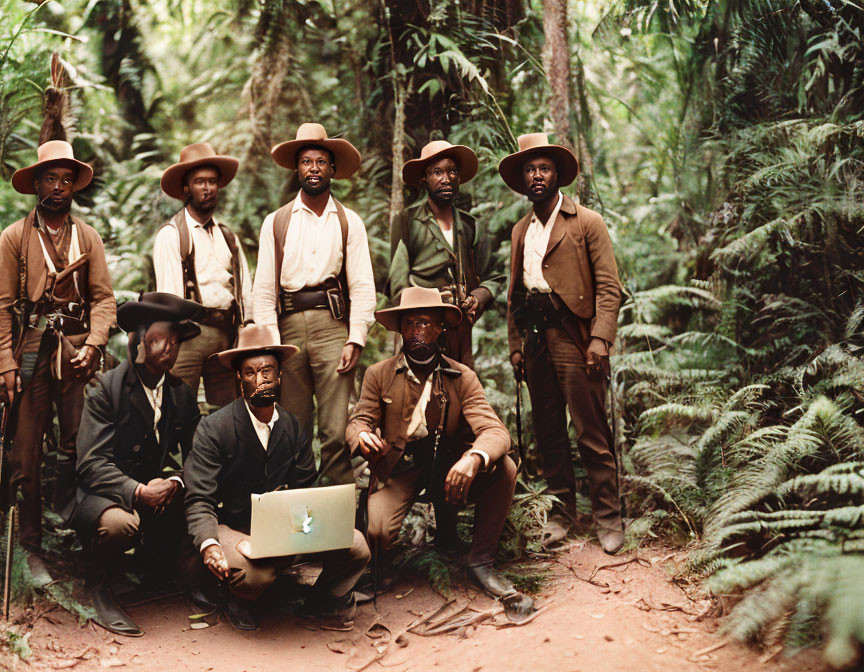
160	307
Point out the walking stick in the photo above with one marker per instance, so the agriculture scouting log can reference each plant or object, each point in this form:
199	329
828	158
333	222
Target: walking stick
519	444
7	576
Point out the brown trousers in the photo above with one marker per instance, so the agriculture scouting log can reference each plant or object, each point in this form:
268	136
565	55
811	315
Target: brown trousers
557	381
491	491
34	415
341	569
457	343
193	361
309	378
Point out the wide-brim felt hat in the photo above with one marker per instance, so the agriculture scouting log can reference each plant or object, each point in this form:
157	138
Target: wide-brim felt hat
413	170
53	151
418	298
345	155
195	156
255	339
160	307
530	145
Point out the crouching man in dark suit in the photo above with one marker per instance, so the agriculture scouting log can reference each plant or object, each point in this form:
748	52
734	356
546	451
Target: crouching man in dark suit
130	489
253	446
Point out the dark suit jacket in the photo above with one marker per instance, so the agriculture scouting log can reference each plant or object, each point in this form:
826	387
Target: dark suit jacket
117	447
579	266
227	464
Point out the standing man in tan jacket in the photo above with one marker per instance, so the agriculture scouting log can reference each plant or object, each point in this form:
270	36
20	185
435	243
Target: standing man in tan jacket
56	307
423	422
562	314
314	285
200	259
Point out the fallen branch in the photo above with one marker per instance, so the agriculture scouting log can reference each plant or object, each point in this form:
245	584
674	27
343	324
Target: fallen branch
621	563
708	649
599	584
516	624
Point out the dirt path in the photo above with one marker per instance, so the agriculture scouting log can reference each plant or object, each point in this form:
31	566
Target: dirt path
630	618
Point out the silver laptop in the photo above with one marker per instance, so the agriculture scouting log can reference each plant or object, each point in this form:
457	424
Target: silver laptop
306	520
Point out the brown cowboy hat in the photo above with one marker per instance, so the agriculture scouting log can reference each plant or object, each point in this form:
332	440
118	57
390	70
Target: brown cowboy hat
52	151
530	145
255	339
194	156
413	170
345	155
418	298
160	307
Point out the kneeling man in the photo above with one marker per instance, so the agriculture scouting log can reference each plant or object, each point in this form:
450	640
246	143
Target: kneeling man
136	418
253	446
423	422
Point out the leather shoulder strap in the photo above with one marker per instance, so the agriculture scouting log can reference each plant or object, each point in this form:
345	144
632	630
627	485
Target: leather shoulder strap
236	273
343	224
187	257
281	220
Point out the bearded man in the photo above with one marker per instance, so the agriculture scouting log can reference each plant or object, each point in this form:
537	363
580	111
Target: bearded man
314	285
56	308
423	423
251	447
137	424
562	314
200	259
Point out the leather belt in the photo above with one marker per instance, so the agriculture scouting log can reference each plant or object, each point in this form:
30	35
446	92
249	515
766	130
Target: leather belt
218	317
308	298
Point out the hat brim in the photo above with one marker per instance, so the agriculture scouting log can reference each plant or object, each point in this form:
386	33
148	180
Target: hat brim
345	155
228	357
172	178
23	179
391	318
414	170
135	314
511	165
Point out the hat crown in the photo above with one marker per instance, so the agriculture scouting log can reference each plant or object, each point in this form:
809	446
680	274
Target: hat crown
420	297
434	147
311	131
256	336
194	152
532	140
53	150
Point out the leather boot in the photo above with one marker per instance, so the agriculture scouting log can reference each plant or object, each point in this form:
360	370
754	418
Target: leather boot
337	610
64	483
108	614
39	574
516	605
238	613
610	534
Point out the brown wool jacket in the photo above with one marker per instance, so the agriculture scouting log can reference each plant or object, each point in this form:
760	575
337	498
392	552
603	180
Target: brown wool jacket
387	401
579	266
99	293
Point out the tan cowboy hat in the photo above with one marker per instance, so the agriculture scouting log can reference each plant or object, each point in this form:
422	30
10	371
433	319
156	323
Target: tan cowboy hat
345	155
194	156
253	339
532	144
413	170
53	150
418	298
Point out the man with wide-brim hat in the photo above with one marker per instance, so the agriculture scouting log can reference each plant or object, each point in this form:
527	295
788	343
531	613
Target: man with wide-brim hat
251	447
434	243
137	424
56	307
200	259
423	422
314	285
562	313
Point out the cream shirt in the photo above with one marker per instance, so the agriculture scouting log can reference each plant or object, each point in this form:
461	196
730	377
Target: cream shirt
536	244
312	254
212	265
262	429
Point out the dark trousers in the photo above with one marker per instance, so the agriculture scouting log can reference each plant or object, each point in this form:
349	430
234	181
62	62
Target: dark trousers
491	491
457	343
557	381
42	394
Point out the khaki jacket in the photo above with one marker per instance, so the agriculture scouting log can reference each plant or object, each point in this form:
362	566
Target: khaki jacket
579	266
100	295
388	398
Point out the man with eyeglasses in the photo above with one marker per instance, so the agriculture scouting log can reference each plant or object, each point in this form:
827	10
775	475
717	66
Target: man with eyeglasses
433	243
56	307
314	285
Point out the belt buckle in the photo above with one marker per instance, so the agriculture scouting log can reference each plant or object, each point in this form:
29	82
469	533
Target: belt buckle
287	302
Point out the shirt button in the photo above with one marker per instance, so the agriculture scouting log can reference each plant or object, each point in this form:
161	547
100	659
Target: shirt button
581	297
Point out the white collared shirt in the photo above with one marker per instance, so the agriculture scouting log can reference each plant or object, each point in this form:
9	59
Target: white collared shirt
212	265
312	254
262	429
536	244
154	396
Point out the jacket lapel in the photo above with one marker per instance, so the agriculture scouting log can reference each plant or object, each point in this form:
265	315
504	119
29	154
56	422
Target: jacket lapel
246	435
559	227
519	250
137	398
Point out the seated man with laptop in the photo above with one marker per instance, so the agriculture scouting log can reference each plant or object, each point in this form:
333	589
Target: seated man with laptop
252	458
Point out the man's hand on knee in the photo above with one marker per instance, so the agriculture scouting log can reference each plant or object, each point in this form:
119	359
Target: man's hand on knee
157	494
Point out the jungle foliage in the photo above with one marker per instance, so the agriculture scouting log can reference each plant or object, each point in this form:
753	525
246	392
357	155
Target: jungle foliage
726	147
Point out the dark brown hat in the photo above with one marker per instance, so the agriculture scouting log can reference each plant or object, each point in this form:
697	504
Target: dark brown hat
160	307
530	145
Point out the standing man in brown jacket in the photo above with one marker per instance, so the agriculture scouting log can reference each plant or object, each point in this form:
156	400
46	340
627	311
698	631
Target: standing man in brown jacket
562	314
200	259
423	422
56	307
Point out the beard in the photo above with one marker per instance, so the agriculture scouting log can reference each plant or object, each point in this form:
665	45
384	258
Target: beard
61	208
320	187
419	351
261	397
445	197
206	206
540	196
